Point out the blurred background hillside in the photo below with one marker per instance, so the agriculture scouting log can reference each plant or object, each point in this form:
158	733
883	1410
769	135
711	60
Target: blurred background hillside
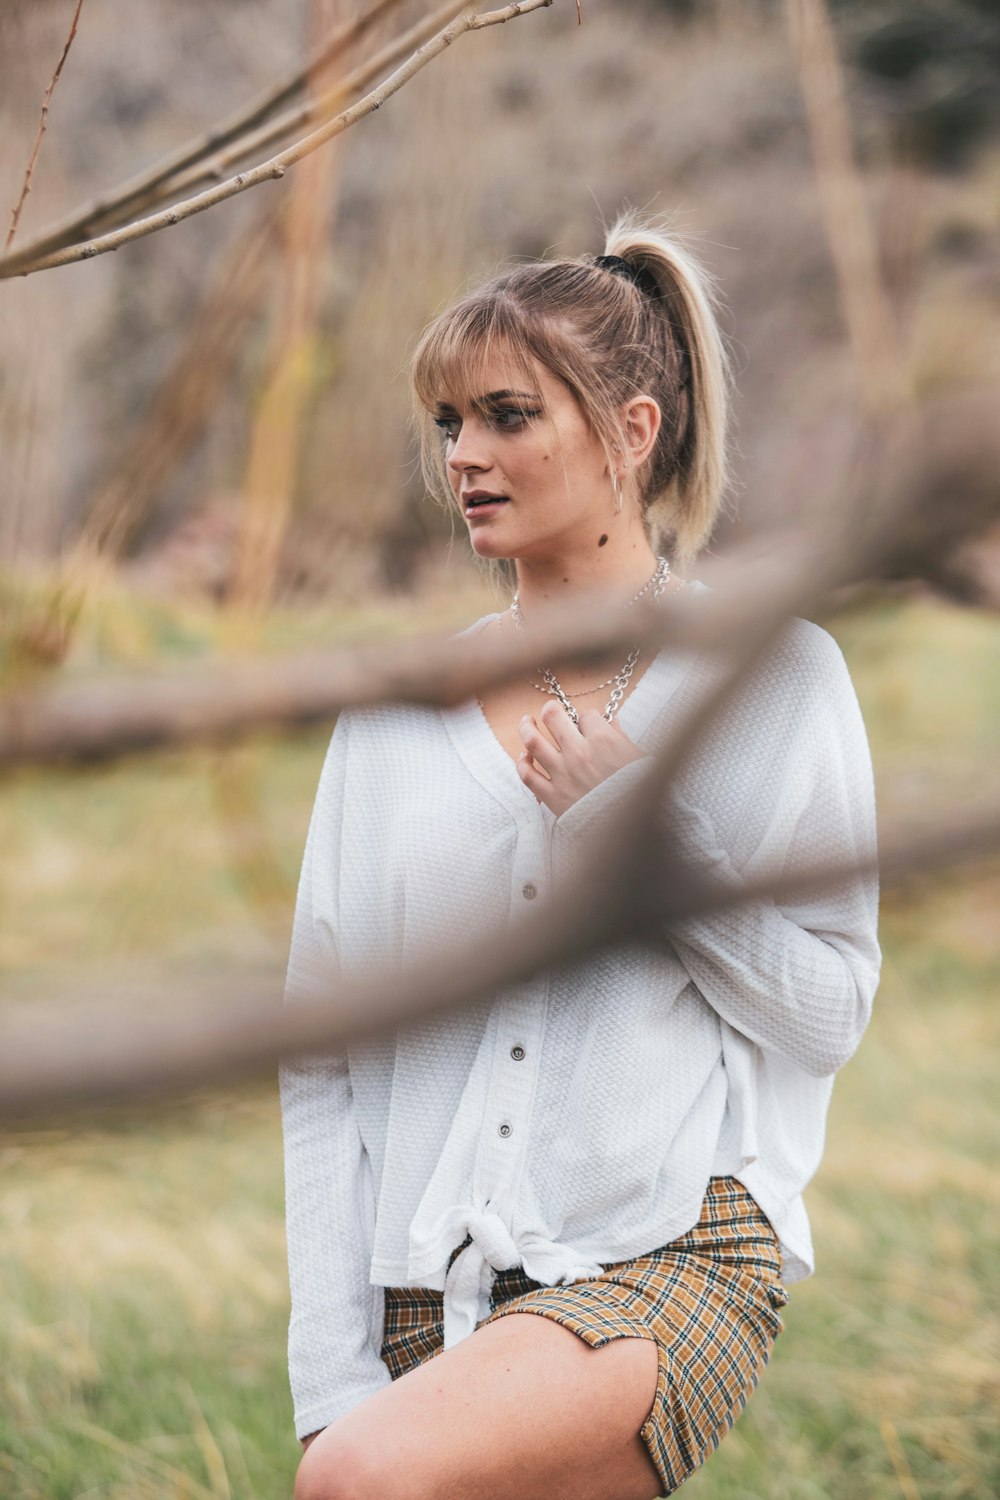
204	448
518	143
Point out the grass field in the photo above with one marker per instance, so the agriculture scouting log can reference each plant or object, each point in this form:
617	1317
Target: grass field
143	1300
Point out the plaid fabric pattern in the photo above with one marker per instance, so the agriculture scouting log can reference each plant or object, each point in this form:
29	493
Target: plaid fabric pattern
710	1300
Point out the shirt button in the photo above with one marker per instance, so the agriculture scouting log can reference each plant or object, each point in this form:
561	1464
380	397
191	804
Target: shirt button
505	1129
517	1053
529	891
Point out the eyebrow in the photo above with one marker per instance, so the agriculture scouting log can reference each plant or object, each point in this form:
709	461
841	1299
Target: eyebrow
493	396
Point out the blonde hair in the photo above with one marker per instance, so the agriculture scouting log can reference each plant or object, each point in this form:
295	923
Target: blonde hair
609	337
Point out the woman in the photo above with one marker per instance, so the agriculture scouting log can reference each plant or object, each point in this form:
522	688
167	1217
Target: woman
538	1246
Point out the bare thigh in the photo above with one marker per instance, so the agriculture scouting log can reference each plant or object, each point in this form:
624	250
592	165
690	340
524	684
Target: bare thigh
522	1409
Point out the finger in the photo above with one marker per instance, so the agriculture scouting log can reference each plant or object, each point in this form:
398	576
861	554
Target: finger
558	723
540	785
592	719
593	722
541	747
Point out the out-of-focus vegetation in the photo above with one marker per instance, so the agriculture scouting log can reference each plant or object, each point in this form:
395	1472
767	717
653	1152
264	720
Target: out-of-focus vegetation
142	1284
934	67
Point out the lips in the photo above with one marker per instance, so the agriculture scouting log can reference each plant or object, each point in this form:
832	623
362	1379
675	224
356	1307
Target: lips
476	498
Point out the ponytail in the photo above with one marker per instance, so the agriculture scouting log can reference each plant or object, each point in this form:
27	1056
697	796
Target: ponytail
679	293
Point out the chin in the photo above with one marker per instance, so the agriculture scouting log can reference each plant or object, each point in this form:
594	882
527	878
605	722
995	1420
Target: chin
490	548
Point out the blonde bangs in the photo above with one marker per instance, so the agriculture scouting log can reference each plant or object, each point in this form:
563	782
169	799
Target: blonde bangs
450	364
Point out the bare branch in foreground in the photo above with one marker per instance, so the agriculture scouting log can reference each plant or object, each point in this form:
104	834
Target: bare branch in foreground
107	717
98	720
276	166
111	207
893	527
111	716
26	184
65	1060
314	110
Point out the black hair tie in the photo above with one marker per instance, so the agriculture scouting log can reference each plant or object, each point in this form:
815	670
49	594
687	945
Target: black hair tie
639	276
618	266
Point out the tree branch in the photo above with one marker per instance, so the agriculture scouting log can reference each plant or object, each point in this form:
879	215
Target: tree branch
64	1060
276	166
99	720
849	228
26	185
141	191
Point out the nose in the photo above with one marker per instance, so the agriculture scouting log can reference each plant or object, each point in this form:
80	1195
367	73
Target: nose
469	450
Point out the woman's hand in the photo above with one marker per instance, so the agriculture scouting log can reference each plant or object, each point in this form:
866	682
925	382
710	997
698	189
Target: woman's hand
582	756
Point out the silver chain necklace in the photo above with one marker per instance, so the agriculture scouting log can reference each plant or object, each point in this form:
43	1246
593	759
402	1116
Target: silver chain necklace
657	583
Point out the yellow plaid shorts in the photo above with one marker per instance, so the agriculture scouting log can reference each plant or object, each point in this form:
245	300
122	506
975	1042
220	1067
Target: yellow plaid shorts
709	1300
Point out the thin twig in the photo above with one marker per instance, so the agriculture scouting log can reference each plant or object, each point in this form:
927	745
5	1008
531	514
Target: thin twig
112	207
26	185
276	166
309	112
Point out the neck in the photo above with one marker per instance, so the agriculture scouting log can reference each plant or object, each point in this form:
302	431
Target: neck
614	572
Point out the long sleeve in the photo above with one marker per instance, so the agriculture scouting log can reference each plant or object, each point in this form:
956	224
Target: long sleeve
788	775
335	1330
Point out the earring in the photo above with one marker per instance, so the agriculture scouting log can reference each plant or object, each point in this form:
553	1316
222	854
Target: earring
616	490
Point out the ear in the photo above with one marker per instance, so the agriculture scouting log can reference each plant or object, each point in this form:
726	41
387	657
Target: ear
640	423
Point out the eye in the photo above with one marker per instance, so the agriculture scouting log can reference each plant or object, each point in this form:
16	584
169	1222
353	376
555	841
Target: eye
510	418
448	425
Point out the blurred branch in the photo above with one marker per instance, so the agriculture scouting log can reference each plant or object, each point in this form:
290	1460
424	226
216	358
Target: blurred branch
848	221
186	399
291	359
276	166
892	522
268	491
111	716
26	185
116	1055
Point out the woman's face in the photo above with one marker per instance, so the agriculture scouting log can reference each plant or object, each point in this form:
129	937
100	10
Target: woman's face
526	443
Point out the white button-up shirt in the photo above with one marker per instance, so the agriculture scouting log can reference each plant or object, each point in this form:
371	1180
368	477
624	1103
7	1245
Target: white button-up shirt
574	1119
